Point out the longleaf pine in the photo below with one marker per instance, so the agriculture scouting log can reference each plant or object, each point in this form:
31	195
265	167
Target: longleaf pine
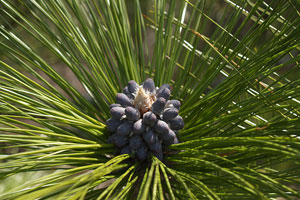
233	66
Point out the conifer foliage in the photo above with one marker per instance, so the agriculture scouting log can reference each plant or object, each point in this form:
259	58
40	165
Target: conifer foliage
232	68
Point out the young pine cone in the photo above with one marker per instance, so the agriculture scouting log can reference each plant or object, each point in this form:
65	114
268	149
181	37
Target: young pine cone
144	120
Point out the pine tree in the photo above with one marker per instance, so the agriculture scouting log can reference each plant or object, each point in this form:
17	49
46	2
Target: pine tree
234	66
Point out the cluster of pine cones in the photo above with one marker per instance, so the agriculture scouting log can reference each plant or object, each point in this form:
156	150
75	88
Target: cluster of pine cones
144	120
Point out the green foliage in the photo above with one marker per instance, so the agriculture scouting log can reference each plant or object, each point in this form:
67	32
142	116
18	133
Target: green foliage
233	64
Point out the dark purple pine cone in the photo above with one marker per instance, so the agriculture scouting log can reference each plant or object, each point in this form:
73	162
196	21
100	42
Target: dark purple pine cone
143	120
